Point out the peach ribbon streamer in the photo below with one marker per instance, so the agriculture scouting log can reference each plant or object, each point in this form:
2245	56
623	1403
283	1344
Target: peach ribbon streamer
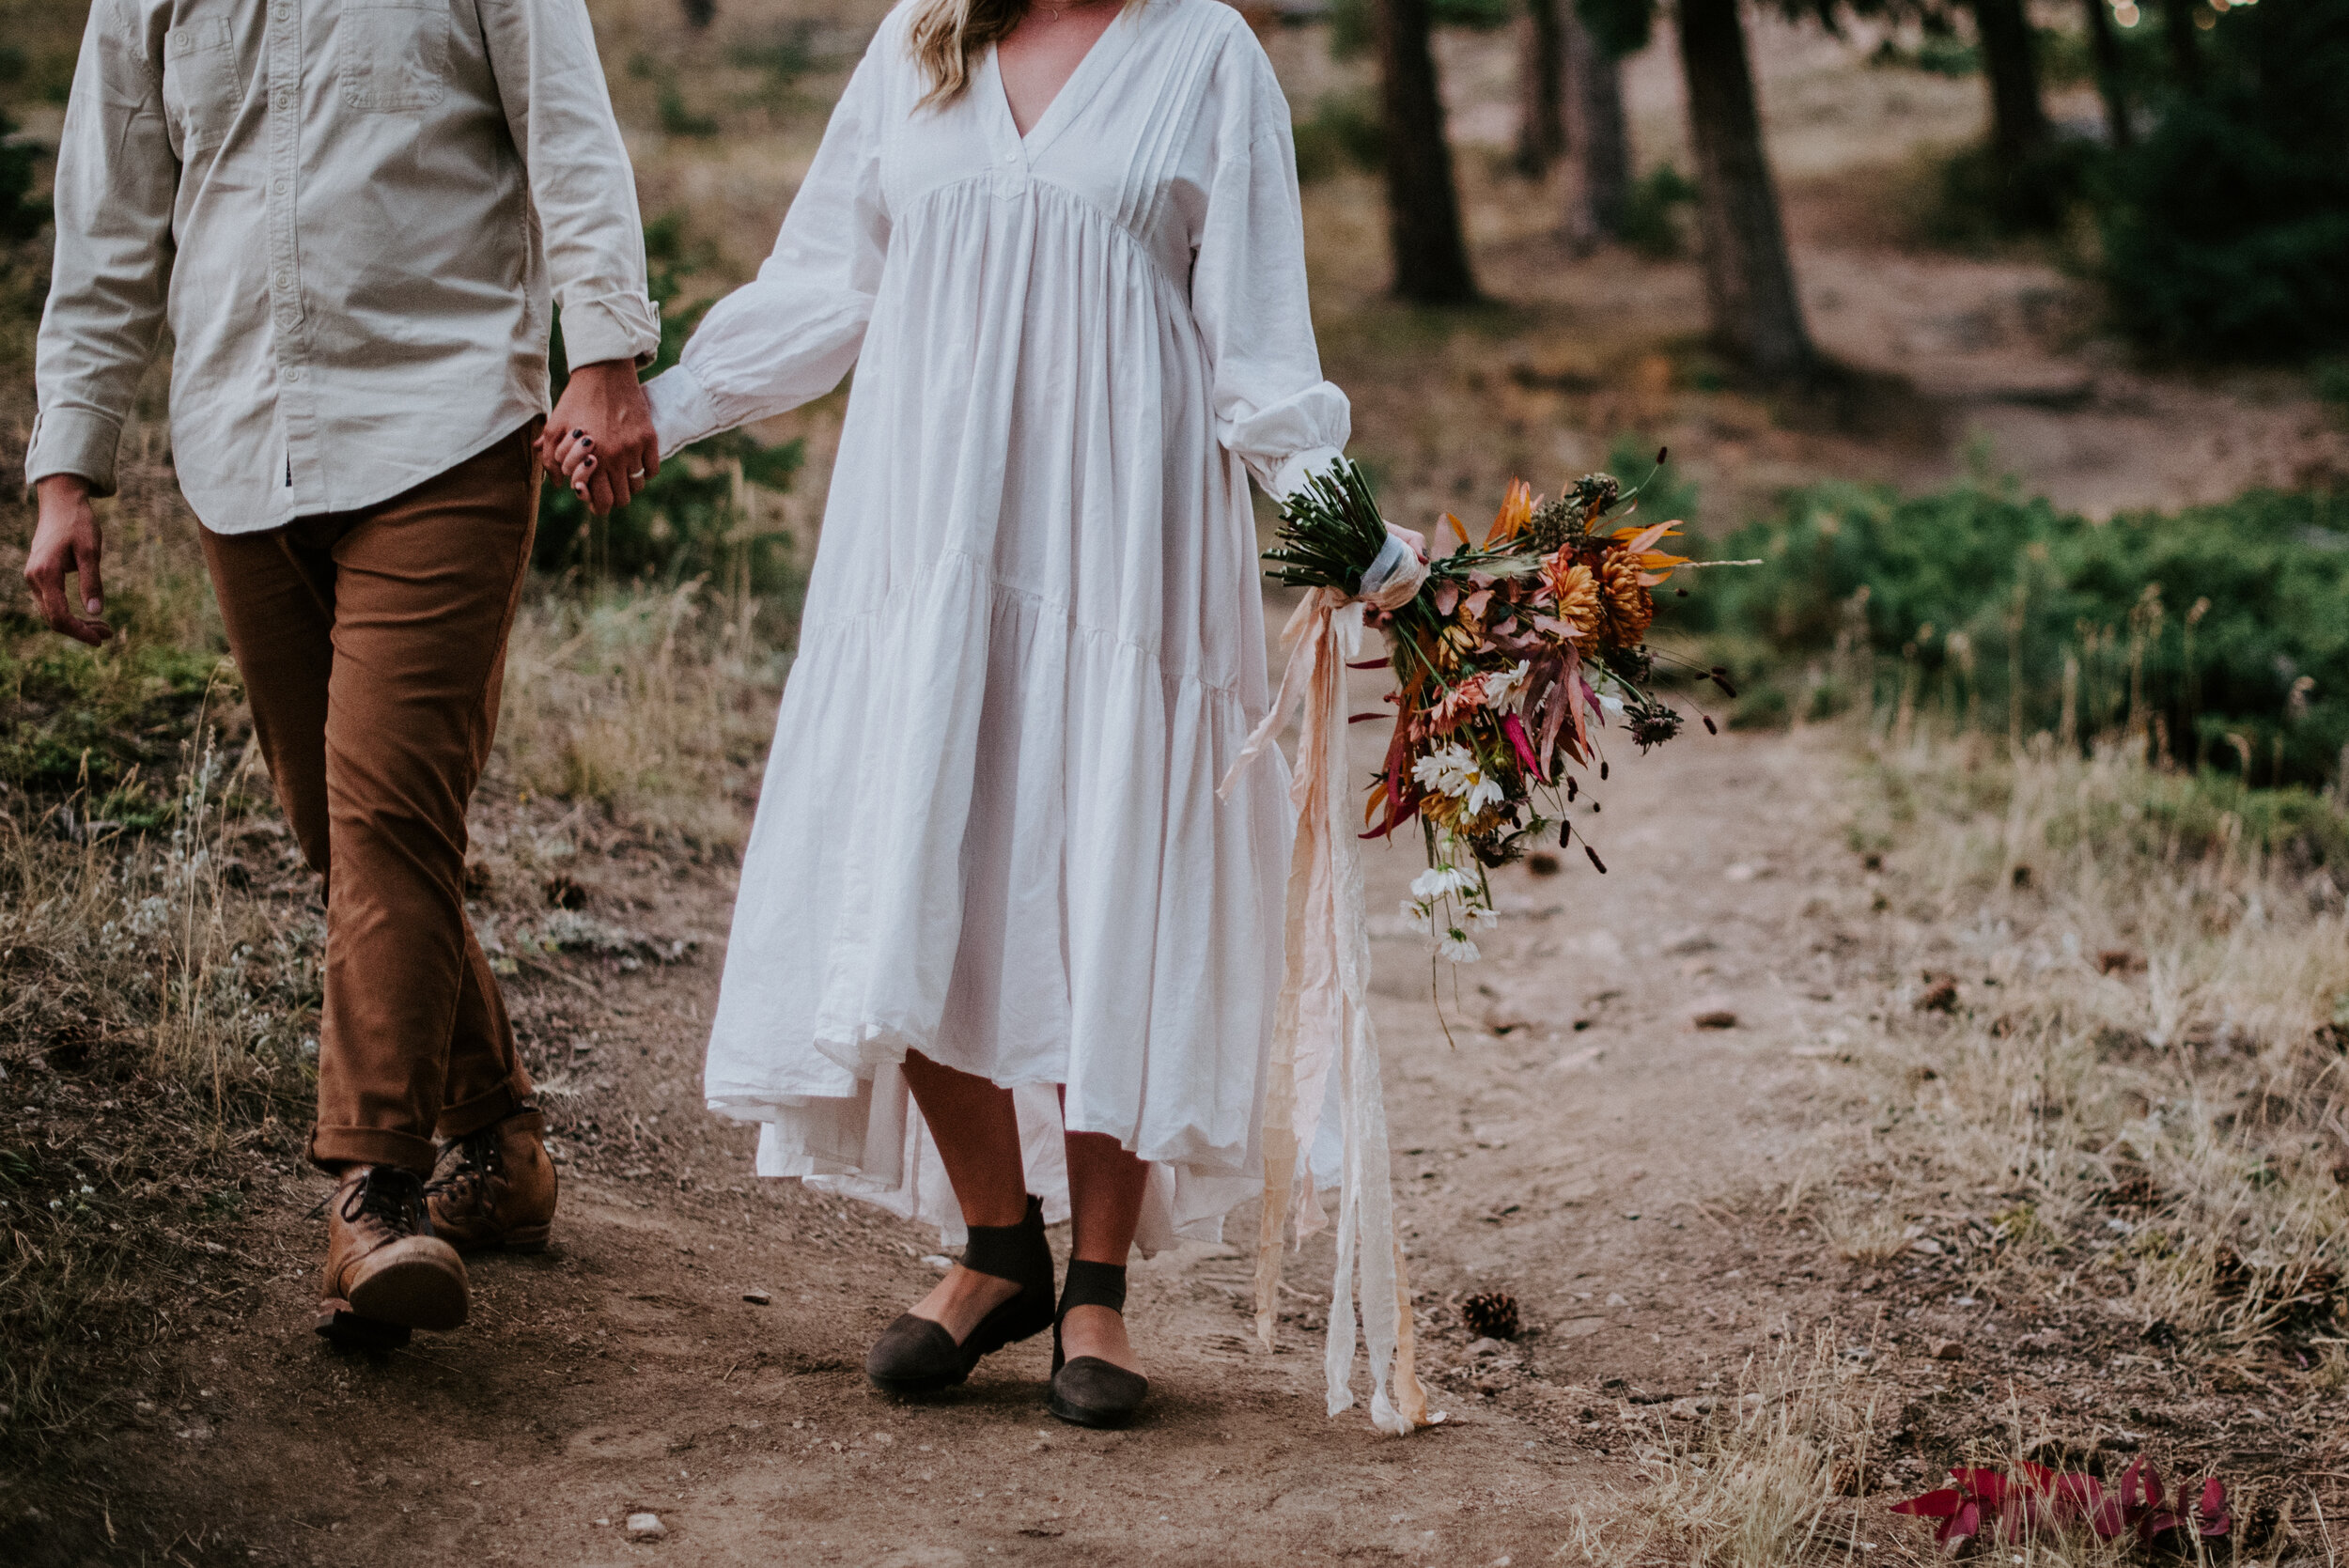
1323	1019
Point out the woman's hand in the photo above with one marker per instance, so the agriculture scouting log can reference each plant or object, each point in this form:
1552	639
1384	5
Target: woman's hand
574	456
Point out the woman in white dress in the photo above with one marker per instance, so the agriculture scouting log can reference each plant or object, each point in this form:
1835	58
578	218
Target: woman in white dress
996	935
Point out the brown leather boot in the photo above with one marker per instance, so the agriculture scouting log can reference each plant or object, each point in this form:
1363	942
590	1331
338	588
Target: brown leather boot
496	1187
387	1272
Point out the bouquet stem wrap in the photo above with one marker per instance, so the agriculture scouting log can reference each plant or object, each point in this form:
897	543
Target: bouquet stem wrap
1323	1021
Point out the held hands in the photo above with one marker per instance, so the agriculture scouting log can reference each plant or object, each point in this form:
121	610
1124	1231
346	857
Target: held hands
66	543
600	436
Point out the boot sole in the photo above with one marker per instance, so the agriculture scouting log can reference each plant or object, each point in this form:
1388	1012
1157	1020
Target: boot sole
345	1329
527	1240
417	1293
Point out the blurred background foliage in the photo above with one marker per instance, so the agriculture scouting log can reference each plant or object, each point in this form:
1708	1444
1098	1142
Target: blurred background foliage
2210	638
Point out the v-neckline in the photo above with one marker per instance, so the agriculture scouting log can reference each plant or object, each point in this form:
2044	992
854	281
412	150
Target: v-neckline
1076	90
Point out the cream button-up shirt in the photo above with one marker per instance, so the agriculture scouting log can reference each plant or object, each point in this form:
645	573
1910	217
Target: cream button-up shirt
351	214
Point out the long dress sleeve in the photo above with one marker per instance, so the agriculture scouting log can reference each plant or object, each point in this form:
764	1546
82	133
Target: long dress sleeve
1248	291
790	335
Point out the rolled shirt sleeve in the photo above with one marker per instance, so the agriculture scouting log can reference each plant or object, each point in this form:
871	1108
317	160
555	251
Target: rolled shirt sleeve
581	185
116	177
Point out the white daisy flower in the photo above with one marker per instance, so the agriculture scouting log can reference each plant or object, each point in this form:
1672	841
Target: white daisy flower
1502	684
1457	948
1483	793
1448	771
1415	916
1484	917
1611	704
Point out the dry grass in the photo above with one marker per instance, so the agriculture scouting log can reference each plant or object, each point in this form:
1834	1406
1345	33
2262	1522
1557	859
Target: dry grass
655	705
2141	1056
1764	1477
157	991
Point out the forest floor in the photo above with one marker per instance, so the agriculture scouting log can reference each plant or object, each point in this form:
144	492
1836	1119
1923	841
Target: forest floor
1653	1086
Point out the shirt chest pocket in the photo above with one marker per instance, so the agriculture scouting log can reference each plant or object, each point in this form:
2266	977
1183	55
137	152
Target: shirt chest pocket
200	86
393	57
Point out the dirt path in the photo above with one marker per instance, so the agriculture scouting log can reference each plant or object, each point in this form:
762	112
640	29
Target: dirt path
1592	1159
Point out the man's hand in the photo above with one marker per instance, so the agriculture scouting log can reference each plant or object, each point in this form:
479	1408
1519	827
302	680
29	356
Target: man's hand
66	544
600	435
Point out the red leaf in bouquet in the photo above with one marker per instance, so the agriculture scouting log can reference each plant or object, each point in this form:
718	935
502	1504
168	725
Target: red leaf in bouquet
1514	727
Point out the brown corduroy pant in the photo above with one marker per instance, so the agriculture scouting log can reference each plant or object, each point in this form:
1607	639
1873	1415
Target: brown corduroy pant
373	649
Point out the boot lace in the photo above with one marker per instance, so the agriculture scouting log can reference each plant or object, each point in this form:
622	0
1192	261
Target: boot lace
392	1197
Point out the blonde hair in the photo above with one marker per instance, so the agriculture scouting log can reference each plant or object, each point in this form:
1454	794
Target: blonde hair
946	35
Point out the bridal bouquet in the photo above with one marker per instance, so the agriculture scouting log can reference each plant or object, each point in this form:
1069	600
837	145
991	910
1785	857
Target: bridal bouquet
1509	654
1513	651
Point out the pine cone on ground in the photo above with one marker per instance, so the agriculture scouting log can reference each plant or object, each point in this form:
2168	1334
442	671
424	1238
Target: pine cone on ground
1491	1314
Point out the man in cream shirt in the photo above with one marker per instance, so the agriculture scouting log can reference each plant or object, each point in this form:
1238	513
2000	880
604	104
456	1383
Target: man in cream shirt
354	216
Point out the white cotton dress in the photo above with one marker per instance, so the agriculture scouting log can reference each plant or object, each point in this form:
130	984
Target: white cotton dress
1034	640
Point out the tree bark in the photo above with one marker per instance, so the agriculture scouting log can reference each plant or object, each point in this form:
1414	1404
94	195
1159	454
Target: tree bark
1749	278
1431	264
1541	87
2185	52
2112	74
2018	119
1595	134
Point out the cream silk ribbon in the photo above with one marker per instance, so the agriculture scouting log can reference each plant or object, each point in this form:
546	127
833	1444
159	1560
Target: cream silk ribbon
1324	1014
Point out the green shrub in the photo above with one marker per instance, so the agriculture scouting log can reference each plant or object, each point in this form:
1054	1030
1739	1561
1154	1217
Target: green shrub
2219	633
23	215
1651	220
685	522
2227	233
1344	131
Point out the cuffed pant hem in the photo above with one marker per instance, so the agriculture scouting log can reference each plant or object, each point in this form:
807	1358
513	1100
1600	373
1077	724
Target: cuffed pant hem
478	1112
334	1147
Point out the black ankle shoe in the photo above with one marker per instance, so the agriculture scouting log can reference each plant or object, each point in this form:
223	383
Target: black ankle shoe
1089	1392
915	1355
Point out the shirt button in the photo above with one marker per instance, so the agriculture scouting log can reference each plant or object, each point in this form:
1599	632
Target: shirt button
1012	157
279	280
278	185
294	374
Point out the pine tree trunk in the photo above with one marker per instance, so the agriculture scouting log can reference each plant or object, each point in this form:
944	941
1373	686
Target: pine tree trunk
1595	134
2019	120
1749	278
2185	53
1431	265
2112	83
1541	90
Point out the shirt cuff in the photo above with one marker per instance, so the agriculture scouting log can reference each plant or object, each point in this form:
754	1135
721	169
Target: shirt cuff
73	440
1290	477
681	411
615	326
